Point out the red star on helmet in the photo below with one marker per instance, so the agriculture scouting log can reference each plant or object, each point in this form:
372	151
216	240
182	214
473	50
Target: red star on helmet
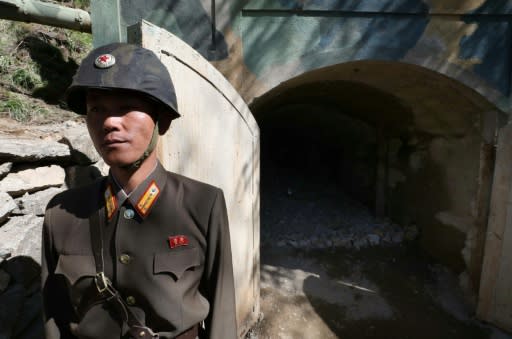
104	58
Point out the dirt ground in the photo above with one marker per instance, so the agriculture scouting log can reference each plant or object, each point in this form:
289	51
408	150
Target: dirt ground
388	293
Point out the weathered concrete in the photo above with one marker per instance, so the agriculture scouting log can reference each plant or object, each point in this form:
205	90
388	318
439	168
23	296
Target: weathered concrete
495	298
31	180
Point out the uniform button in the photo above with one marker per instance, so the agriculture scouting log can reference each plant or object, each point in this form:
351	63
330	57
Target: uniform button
130	300
125	259
129	213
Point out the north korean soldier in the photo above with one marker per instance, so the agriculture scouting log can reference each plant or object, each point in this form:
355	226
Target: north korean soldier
141	253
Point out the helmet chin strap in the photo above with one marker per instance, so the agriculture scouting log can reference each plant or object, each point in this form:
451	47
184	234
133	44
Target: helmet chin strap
152	144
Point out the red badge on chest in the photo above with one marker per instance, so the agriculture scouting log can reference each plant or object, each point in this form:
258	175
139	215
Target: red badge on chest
178	240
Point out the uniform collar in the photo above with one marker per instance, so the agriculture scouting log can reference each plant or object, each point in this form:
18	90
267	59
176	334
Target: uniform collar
142	198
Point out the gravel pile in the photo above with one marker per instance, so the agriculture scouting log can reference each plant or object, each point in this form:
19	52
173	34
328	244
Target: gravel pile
321	217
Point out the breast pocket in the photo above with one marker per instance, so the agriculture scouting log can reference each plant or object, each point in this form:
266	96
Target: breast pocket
176	263
76	267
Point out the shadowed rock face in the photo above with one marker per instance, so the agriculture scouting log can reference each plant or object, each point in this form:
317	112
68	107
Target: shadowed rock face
36	170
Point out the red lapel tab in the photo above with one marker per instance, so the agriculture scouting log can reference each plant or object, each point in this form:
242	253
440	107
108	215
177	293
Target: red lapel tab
178	240
110	202
147	199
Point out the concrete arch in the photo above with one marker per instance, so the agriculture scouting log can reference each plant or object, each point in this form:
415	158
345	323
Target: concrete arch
415	144
414	88
461	78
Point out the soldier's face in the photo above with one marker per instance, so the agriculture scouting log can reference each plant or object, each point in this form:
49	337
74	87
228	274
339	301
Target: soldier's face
120	124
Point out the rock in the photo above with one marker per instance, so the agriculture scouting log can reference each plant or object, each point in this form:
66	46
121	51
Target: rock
16	150
77	176
373	239
360	243
7	205
411	232
5	278
304	243
293	243
82	148
397	237
22	236
31	180
4	255
29	324
343	242
386	238
14	297
24	271
5	168
35	203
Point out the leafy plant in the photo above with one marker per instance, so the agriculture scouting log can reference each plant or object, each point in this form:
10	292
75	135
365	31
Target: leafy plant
19	109
26	78
16	109
5	63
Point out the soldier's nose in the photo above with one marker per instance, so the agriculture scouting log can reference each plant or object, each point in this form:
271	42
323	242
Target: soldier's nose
111	123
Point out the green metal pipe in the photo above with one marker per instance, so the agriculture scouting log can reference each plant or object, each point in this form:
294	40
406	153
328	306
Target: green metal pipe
45	13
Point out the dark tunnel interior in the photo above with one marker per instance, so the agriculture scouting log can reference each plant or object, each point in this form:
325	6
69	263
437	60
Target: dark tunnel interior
318	169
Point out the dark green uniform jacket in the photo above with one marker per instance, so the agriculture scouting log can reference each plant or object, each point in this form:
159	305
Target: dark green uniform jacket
167	251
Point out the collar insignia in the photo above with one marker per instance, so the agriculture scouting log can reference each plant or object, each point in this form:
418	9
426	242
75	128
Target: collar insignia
105	61
110	202
147	199
178	240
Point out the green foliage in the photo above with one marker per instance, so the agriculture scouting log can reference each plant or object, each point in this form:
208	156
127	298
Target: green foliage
79	43
83	4
19	29
5	63
20	109
16	109
36	65
26	78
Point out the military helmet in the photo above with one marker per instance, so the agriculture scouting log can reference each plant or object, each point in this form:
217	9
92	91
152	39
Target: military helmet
122	66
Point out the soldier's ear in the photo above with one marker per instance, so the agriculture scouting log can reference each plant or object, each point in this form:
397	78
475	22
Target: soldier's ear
164	122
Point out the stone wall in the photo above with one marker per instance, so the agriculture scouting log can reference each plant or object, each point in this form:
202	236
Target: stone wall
34	166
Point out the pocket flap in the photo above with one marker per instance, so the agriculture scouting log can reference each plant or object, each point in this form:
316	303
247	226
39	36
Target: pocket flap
176	262
74	267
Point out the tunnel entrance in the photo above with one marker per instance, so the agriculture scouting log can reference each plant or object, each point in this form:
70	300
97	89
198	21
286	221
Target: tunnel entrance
410	150
367	155
318	180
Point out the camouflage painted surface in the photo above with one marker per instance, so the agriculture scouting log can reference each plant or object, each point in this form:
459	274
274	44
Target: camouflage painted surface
273	41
